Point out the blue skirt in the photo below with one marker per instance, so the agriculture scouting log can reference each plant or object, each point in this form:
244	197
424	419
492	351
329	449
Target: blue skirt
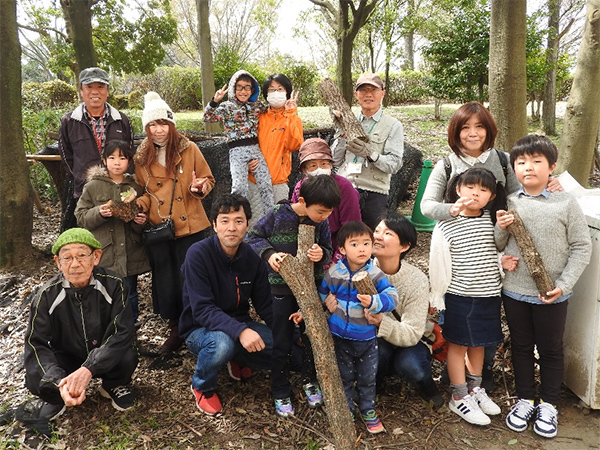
472	321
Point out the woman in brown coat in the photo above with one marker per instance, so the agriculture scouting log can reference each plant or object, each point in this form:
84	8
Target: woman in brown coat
175	178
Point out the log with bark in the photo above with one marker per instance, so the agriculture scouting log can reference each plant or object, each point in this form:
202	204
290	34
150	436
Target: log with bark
530	255
298	273
363	283
342	114
125	209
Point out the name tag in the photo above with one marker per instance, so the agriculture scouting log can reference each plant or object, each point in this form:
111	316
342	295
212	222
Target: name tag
354	168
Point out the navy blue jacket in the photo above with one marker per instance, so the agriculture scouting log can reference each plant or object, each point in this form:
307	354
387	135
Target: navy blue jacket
216	289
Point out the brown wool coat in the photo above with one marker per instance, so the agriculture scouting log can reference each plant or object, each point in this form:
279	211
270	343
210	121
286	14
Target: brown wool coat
188	213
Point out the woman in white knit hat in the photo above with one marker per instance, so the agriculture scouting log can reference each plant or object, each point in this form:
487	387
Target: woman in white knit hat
175	178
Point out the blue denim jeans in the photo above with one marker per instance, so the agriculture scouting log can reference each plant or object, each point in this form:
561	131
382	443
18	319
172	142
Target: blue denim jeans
412	363
215	348
357	361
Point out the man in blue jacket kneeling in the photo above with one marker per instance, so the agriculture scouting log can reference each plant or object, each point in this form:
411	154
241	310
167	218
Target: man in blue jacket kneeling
221	273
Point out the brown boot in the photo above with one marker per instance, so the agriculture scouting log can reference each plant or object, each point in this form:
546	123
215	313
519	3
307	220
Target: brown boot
173	342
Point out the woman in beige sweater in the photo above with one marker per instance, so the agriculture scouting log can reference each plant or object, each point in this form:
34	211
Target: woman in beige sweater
401	348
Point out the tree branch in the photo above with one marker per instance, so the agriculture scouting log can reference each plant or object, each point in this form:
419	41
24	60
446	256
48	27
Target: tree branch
44	31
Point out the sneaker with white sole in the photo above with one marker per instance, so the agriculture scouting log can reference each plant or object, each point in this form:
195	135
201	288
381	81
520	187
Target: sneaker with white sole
314	396
468	409
486	404
520	414
284	407
122	398
546	421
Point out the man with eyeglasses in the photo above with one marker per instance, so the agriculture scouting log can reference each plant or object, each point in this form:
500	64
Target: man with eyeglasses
370	166
80	327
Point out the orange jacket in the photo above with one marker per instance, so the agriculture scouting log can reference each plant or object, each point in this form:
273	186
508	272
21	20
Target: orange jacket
280	133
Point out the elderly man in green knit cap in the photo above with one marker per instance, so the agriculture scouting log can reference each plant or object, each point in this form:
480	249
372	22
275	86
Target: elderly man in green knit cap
80	327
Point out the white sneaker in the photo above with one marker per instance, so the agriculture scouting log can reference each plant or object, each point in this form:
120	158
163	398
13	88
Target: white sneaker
519	415
485	403
468	409
546	422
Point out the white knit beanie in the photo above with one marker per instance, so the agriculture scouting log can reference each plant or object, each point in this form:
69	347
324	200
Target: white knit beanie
155	108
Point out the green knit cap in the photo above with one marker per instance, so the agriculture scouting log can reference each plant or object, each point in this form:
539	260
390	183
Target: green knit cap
75	236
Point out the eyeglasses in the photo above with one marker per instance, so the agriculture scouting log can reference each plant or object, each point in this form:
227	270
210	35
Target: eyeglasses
243	88
368	89
79	258
279	89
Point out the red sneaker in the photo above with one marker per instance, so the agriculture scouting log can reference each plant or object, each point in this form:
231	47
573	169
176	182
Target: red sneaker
238	373
207	402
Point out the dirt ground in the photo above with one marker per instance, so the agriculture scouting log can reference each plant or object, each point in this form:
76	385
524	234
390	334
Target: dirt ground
165	416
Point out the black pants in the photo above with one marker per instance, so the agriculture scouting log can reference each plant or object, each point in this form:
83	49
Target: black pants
166	259
283	336
541	326
119	375
373	207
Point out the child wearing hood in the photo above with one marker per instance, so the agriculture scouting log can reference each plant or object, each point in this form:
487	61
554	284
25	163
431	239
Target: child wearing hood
239	115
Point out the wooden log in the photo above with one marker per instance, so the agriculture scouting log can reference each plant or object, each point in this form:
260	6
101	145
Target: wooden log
530	255
363	283
298	274
345	120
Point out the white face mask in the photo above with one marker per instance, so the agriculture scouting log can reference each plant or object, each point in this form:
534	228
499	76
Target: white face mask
277	99
319	171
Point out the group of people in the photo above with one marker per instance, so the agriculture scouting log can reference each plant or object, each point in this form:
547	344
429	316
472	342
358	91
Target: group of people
205	281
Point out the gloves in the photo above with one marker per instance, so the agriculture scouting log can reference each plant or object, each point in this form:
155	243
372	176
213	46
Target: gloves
359	148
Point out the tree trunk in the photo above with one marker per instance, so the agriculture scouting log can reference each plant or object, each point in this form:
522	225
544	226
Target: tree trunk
16	214
549	111
346	120
409	40
531	257
344	67
206	60
582	117
298	273
78	20
507	75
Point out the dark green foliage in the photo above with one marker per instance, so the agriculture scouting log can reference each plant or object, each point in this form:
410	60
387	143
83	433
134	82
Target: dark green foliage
119	101
227	62
407	87
51	94
180	87
458	55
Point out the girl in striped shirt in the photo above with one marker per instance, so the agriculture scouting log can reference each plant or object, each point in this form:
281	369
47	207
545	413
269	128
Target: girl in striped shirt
465	280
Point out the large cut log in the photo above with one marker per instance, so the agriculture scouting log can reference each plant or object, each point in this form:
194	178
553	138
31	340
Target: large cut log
298	273
530	255
342	114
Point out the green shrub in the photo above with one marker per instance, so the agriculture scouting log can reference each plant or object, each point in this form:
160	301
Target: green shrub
180	87
119	101
407	87
136	99
51	94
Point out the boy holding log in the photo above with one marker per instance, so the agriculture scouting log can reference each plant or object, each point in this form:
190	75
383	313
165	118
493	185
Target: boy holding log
343	291
535	318
274	236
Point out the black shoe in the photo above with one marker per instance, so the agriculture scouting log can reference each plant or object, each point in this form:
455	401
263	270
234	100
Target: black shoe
487	380
431	393
121	397
50	412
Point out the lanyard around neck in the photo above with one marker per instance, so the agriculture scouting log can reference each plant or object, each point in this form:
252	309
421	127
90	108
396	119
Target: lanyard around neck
98	136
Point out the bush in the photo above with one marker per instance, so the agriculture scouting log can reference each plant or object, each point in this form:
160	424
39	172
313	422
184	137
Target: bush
136	99
180	87
119	101
407	87
51	94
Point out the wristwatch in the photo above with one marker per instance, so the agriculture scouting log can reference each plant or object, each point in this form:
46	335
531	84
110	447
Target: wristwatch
373	157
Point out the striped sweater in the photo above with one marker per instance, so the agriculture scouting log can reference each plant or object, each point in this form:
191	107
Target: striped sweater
463	259
348	321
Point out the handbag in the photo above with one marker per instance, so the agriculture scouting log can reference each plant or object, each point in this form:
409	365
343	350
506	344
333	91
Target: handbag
164	231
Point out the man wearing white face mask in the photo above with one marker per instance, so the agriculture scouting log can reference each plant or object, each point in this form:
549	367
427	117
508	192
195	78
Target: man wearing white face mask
315	159
280	133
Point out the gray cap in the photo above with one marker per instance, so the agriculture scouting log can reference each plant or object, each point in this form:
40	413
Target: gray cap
93	75
369	78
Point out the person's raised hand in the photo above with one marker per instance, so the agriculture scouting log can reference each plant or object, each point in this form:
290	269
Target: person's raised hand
292	102
459	206
220	94
198	184
503	219
251	340
359	147
315	253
